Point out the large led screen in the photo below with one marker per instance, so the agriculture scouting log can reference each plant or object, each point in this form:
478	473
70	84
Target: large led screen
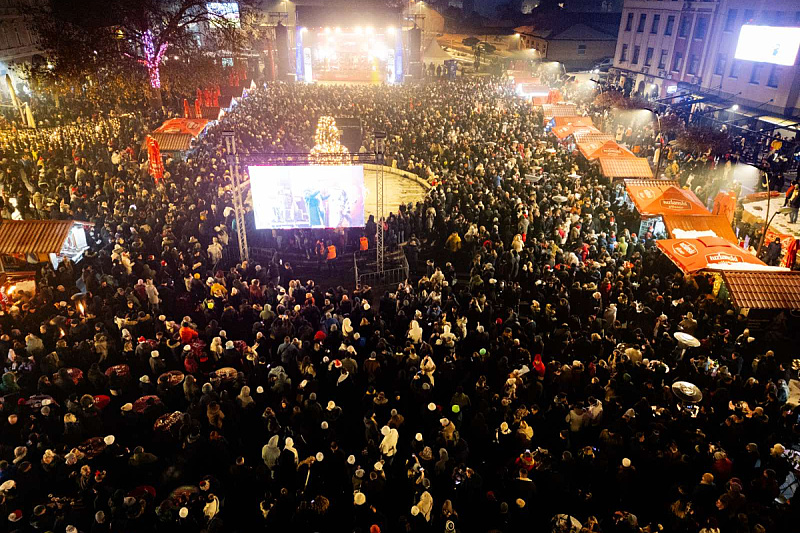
307	196
768	44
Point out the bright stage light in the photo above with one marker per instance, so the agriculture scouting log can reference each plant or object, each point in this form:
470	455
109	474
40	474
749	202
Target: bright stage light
303	30
338	30
390	30
370	30
359	30
327	30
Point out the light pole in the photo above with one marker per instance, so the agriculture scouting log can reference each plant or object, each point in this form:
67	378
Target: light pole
783	210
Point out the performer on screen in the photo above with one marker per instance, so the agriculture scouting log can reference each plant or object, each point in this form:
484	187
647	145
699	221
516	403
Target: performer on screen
345	205
314	201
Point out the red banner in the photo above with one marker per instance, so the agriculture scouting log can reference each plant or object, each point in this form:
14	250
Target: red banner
186	108
154	158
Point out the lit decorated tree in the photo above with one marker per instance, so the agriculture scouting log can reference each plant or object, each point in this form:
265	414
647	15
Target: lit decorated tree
327	148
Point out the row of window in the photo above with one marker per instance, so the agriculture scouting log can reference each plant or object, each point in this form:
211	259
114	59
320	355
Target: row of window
14	37
694	64
777	18
683	29
774	18
755	72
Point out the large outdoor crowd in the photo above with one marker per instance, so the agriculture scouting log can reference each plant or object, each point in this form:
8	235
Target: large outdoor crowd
522	382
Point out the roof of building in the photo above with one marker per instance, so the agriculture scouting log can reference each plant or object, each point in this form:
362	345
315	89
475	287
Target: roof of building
173	142
716	223
764	290
33	236
625	167
580	26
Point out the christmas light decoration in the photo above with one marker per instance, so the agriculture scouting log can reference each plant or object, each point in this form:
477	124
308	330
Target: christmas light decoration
327	148
152	59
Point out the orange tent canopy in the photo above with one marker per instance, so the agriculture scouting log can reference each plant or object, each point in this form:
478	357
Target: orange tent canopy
566	126
573	121
595	149
661	197
691	255
192	126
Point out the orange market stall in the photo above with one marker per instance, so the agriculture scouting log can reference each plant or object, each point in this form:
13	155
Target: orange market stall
564	127
763	296
608	148
714	253
177	126
176	135
26	242
656	199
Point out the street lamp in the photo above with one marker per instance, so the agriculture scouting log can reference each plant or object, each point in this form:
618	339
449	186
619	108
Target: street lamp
782	210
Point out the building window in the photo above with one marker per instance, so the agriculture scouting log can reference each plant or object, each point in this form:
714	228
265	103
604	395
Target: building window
677	61
670	25
730	21
581	49
662	60
635	58
735	66
642	20
693	63
648	57
629	22
774	76
748	16
755	74
683	30
654	27
719	68
700	28
623	56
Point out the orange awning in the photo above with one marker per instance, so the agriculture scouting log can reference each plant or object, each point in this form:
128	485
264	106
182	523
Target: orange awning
691	255
192	126
565	126
716	223
625	167
595	149
572	121
672	201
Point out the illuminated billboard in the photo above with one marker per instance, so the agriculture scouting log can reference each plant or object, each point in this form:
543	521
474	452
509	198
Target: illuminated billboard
768	44
330	196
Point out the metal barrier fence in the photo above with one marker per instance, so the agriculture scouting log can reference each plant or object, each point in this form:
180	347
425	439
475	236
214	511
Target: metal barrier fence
261	255
390	276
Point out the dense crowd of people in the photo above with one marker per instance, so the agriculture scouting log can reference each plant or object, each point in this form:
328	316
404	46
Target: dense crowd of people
523	382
